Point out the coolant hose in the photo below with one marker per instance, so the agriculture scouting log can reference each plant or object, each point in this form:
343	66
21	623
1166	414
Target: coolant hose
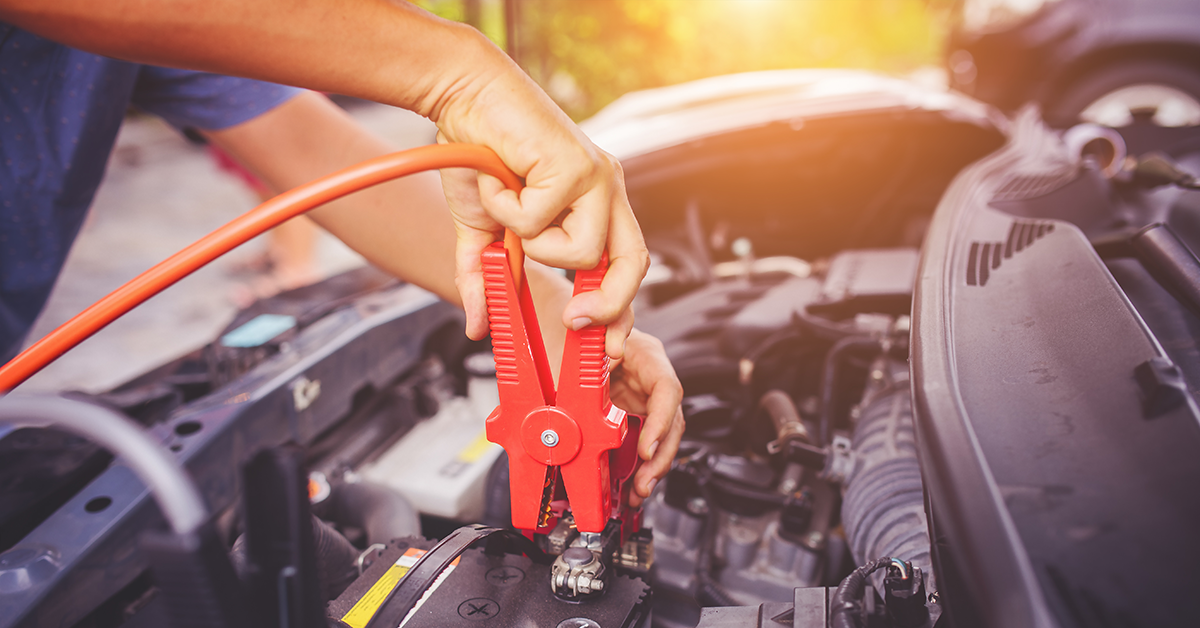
241	229
784	416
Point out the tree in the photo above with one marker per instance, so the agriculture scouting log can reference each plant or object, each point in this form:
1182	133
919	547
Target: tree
586	53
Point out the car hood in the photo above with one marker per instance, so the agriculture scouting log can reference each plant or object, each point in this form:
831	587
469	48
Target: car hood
646	121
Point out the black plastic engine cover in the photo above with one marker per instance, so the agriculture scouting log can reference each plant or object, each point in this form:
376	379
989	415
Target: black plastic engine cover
1062	491
873	280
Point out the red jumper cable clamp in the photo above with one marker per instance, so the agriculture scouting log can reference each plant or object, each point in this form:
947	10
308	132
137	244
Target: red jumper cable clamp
568	434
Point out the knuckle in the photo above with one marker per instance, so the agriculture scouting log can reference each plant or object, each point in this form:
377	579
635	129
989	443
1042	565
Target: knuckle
643	259
591	154
587	257
618	169
526	227
582	163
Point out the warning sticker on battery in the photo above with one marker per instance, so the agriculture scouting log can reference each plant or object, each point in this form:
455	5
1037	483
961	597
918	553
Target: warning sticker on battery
468	456
362	612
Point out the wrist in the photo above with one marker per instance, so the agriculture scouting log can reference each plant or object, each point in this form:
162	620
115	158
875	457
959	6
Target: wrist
463	63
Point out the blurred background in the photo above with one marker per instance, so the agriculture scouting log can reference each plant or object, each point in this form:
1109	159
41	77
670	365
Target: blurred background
585	53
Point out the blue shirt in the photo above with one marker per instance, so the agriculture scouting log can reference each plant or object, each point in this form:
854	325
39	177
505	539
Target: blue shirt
60	110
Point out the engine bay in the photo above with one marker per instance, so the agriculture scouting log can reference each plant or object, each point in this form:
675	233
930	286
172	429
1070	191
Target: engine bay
782	286
777	344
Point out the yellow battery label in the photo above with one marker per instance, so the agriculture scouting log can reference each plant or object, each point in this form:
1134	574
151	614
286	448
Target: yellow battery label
476	449
363	610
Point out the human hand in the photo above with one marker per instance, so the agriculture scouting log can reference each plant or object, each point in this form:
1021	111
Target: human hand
572	209
644	383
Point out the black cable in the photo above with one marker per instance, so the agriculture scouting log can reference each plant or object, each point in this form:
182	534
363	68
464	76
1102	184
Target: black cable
745	492
772	340
418	579
824	328
773	357
708	481
707	587
846	605
829	378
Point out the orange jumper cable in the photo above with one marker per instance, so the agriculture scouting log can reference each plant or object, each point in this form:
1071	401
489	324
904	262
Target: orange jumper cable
252	223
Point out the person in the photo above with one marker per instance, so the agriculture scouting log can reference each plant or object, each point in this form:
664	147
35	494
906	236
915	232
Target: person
572	209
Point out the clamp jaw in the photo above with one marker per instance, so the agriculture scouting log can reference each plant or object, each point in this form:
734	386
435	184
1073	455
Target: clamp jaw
572	438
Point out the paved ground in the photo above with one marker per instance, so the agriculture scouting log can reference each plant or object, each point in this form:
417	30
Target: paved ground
161	194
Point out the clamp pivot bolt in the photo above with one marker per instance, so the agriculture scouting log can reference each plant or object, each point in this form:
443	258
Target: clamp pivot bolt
550	438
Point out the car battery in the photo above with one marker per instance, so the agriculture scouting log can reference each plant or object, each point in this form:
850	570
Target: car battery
487	590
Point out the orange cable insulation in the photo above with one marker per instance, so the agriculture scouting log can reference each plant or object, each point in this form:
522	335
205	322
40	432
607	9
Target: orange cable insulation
243	228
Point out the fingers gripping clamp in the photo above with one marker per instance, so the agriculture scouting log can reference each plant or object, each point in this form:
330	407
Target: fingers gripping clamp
571	429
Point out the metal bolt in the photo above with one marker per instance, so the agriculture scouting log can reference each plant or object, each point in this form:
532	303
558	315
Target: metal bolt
550	438
578	622
590	540
578	557
697	506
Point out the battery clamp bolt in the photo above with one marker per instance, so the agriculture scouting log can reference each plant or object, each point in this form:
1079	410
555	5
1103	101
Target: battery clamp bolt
550	438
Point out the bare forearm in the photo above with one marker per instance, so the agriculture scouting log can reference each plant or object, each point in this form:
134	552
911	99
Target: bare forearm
403	226
392	52
385	51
